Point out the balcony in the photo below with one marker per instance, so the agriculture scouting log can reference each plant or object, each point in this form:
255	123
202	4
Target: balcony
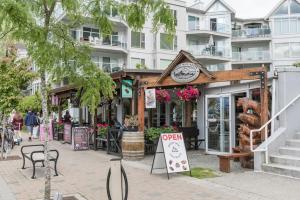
210	54
251	34
209	28
109	67
108	42
251	57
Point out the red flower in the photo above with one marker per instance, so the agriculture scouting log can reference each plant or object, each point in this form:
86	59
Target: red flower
188	94
163	95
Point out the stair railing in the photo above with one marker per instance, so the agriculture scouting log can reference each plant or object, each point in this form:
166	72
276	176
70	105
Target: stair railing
265	128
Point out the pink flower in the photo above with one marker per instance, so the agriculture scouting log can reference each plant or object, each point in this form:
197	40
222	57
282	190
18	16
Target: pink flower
188	94
163	95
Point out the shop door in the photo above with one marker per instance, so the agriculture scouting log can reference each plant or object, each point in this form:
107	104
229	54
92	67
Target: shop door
218	130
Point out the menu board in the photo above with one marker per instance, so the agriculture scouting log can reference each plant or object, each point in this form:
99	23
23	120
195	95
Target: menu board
67	133
171	154
80	139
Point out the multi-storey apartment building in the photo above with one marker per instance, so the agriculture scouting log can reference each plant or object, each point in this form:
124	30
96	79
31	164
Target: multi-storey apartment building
212	33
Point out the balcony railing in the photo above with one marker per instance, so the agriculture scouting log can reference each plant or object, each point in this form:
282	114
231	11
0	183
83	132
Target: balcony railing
99	41
208	50
251	56
109	67
251	33
209	26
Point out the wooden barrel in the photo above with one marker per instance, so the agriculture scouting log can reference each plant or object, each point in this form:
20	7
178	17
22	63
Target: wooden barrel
133	145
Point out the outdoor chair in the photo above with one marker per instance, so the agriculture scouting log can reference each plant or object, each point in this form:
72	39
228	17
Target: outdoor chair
190	135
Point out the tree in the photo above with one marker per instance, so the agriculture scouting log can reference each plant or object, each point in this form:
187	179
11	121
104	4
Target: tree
32	102
55	52
14	77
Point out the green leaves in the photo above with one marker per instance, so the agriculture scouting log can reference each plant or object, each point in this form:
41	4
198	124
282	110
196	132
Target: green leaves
14	77
54	51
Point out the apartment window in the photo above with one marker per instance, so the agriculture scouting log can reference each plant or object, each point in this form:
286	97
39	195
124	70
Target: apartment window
283	9
168	43
295	49
281	50
74	34
111	39
87	32
193	22
175	17
295	7
164	63
137	63
217	67
137	39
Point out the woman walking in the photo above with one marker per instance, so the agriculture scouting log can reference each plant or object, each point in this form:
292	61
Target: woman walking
17	123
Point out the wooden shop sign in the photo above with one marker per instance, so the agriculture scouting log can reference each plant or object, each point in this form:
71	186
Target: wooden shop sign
185	73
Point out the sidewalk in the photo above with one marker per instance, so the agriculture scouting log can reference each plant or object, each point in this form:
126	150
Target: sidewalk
84	173
5	192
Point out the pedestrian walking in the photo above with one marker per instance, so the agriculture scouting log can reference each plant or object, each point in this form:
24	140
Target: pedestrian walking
39	119
17	123
30	121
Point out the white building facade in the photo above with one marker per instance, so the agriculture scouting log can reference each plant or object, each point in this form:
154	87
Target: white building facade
212	34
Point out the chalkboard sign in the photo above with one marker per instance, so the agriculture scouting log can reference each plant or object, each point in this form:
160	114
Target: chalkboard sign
80	138
67	133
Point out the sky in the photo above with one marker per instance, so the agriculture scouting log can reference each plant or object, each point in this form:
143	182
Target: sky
248	8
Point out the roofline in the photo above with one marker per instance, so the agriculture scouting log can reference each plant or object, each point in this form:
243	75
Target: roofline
276	7
250	19
221	1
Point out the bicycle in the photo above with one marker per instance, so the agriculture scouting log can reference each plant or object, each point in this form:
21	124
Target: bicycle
8	139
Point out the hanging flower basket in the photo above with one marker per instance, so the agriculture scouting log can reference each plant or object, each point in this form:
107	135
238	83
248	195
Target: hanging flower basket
188	94
163	96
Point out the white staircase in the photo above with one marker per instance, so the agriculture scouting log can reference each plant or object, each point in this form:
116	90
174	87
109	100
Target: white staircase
287	161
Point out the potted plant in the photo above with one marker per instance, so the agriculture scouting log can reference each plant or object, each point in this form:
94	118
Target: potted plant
102	130
131	122
152	134
152	137
163	96
188	94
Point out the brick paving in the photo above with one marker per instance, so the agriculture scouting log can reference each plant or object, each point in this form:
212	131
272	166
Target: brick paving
84	173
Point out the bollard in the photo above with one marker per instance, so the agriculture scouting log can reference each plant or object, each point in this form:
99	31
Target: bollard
117	184
58	196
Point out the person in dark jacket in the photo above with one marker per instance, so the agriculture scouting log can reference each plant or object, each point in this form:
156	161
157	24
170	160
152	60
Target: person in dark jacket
30	121
67	117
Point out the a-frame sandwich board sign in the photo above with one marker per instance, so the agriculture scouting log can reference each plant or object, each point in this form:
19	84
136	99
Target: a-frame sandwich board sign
171	154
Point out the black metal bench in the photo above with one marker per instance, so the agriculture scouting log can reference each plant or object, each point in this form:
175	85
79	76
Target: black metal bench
36	156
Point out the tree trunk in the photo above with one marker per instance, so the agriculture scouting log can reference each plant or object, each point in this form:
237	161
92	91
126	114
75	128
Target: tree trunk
45	124
2	136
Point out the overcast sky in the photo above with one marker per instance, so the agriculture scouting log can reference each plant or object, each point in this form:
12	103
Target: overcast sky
248	8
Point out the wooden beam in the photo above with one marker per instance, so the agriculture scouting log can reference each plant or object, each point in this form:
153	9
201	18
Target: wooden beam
264	98
220	76
141	109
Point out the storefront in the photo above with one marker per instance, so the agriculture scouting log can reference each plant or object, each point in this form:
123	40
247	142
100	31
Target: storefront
214	112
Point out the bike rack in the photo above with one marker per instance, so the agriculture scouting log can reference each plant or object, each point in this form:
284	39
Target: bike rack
116	182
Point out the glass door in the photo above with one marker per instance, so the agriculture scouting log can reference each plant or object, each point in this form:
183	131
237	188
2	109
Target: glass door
218	124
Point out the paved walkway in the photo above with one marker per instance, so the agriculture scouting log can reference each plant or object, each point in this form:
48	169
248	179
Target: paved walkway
84	173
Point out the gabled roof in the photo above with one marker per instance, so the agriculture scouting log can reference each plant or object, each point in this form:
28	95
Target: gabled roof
276	7
222	2
182	55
